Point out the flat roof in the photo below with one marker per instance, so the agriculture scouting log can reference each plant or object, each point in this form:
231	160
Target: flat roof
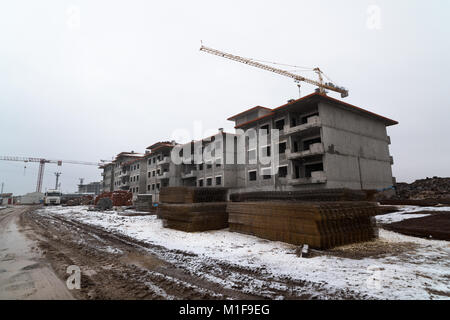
317	97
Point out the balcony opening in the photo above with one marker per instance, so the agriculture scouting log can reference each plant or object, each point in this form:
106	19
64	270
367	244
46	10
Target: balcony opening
252	175
312	168
218	181
282	148
305	119
279	124
309	142
209	182
282	172
293	122
297	171
200	182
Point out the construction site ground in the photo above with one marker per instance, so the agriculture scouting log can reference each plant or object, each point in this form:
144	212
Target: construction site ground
134	257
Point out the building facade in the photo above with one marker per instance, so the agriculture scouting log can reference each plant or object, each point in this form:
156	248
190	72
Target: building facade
315	142
93	187
323	143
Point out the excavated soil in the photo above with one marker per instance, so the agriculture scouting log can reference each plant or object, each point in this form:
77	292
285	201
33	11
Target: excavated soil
435	226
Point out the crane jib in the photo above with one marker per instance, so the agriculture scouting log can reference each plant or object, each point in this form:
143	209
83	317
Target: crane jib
320	84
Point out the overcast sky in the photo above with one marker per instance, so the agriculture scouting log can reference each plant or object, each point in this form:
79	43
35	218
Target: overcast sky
84	80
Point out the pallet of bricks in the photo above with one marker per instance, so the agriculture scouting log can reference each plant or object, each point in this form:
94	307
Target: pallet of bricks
193	209
320	224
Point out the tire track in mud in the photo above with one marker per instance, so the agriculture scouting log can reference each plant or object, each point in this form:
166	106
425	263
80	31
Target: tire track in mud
119	267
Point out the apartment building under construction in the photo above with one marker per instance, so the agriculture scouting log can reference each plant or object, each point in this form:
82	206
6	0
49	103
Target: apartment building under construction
322	143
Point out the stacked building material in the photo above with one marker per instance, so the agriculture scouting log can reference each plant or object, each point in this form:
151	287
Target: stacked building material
321	225
192	195
303	195
85	200
144	203
118	198
193	209
194	217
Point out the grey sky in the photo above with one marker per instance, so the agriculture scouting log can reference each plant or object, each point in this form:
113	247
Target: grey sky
131	74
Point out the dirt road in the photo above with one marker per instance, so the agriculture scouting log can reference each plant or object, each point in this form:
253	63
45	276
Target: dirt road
24	273
114	266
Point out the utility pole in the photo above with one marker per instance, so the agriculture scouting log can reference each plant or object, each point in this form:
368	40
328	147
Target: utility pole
2	187
57	174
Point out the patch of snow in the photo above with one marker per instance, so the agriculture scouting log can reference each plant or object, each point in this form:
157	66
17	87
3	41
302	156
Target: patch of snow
402	214
410	275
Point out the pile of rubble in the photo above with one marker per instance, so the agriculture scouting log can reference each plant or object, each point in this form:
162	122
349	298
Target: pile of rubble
429	188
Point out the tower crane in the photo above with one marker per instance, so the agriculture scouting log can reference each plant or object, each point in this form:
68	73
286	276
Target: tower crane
321	84
42	163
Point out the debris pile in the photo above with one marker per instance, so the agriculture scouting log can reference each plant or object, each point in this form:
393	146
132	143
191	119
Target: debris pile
118	198
321	225
429	188
193	209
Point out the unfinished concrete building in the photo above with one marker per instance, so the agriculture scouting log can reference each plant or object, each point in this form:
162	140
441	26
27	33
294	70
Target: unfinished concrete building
93	187
324	143
212	170
159	170
116	174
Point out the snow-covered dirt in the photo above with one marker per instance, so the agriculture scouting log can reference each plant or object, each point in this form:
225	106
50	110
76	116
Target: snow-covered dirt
401	267
408	212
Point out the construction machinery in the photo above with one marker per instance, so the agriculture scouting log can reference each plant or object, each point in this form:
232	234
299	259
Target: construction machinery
42	163
322	86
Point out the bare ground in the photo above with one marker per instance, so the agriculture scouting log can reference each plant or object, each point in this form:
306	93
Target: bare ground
118	267
24	273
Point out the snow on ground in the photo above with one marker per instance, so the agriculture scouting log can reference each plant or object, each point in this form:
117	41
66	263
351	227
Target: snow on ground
407	212
423	273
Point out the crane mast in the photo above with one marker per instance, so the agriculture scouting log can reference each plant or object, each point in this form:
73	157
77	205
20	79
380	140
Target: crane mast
322	86
42	163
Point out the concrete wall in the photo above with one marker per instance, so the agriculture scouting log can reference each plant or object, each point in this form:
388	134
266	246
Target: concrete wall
356	150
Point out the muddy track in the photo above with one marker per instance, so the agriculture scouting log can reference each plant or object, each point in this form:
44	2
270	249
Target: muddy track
115	266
